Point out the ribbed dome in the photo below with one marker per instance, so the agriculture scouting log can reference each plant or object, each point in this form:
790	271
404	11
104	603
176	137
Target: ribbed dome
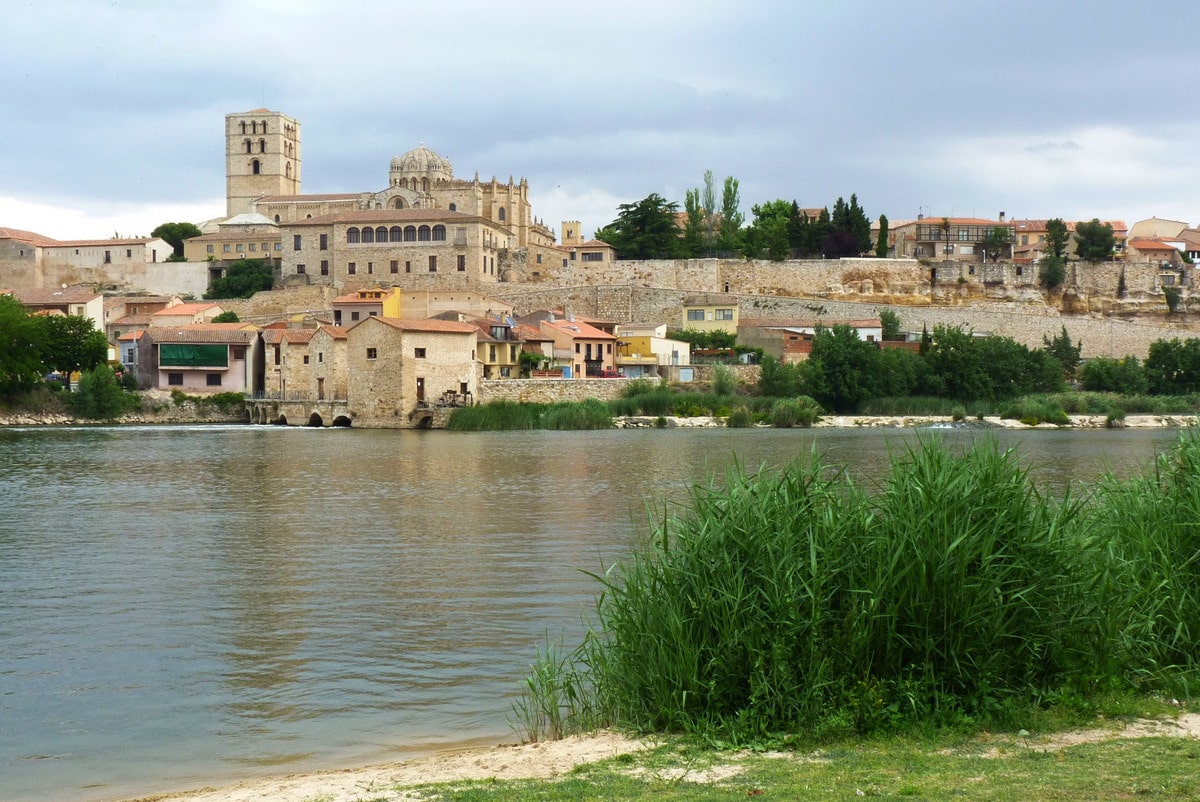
424	162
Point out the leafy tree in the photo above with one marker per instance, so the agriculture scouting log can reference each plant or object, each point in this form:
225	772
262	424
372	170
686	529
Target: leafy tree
1052	272
730	232
890	322
1057	237
101	396
805	234
72	343
851	219
1094	241
227	317
899	373
839	244
1104	375
704	339
693	231
777	379
1173	367
1064	351
242	279
955	366
1012	369
881	244
848	364
174	234
22	340
769	231
708	202
996	243
644	230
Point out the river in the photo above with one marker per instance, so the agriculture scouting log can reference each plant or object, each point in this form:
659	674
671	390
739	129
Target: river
185	606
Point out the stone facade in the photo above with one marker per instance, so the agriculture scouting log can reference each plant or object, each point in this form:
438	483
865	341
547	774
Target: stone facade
547	391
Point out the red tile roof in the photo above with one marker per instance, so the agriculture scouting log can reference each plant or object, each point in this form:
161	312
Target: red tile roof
184	309
428	324
26	236
579	329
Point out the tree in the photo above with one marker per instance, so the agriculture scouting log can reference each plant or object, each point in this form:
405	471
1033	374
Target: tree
1172	367
769	231
174	234
890	323
729	233
848	364
227	317
805	234
1094	241
1057	237
644	230
1052	272
100	395
708	202
1104	375
242	279
22	341
851	219
881	244
72	344
693	231
996	243
1062	349
954	366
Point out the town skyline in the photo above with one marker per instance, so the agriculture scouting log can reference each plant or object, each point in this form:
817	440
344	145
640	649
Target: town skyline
947	109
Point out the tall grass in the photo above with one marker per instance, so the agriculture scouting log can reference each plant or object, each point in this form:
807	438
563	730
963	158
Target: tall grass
509	415
795	600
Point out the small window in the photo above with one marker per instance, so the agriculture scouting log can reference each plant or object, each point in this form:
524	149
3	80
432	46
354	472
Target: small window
129	253
175	378
306	359
240	247
324	267
212	379
462	263
352	268
695	314
320	357
407	267
253	246
395	266
209	248
299	269
295	242
577	348
502	214
354	315
226	248
454	207
432	264
372	353
724	314
593	257
370	268
419	353
239	352
324	242
279	246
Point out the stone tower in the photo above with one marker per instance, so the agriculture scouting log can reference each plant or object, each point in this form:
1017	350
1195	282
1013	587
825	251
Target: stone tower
572	232
262	158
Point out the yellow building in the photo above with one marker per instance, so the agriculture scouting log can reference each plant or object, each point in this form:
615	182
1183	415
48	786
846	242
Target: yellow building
710	312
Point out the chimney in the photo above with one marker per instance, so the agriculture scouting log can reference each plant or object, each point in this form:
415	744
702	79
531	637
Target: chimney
1001	217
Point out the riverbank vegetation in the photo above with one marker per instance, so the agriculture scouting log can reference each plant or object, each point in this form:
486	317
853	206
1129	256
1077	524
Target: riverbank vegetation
945	593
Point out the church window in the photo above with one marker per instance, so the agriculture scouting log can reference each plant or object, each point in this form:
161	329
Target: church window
454	207
276	218
396	234
439	233
424	234
243	126
287	170
352	235
262	146
255	167
502	214
264	126
249	147
368	234
381	234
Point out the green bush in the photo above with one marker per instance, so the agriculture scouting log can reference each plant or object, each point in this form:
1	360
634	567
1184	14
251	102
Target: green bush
724	381
789	412
100	397
740	418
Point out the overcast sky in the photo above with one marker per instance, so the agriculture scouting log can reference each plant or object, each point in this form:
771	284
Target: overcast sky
112	111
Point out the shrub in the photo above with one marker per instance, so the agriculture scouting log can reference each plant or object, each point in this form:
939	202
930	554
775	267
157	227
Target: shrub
740	418
724	381
789	412
100	397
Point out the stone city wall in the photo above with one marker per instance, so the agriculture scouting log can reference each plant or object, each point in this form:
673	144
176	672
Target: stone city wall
547	391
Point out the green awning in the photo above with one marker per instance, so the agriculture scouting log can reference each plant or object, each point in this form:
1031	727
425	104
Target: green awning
193	356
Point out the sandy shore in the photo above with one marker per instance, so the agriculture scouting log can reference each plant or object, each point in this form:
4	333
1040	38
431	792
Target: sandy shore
554	758
506	762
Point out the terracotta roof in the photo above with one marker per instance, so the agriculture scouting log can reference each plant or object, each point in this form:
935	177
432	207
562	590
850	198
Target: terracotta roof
136	334
394	216
210	333
428	324
1146	244
96	243
131	320
226	236
308	198
26	236
70	295
528	333
336	332
578	328
184	309
356	297
296	335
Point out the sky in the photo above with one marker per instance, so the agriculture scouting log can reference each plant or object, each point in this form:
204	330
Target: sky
112	111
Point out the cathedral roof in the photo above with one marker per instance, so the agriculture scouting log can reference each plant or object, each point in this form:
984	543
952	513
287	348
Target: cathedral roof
422	160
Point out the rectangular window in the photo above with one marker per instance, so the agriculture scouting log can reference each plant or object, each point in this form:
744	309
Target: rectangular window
253	246
299	269
407	267
370	268
279	246
963	234
209	248
320	357
577	348
295	242
324	267
395	266
352	268
240	247
212	379
593	257
724	314
354	315
324	242
266	247
129	253
108	257
419	353
372	353
462	263
539	258
174	378
695	314
239	352
306	359
226	248
491	353
432	264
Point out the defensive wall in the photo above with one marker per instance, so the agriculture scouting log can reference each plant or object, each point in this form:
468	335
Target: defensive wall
547	391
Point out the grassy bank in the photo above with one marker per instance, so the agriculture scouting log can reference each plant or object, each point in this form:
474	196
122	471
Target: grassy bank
946	593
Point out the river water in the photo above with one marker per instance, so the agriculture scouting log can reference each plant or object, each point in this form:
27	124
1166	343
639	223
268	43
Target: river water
183	606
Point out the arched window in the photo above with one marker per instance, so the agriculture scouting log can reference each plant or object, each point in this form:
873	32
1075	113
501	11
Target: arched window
287	170
424	184
276	218
410	233
243	126
423	234
439	233
254	127
454	207
262	146
501	214
264	126
396	234
255	167
249	147
381	234
352	235
368	234
308	217
398	203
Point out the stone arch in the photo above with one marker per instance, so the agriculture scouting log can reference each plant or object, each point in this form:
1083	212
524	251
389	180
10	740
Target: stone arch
281	420
341	422
425	422
315	421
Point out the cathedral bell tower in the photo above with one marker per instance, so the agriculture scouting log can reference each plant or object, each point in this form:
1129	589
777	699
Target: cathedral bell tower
262	158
